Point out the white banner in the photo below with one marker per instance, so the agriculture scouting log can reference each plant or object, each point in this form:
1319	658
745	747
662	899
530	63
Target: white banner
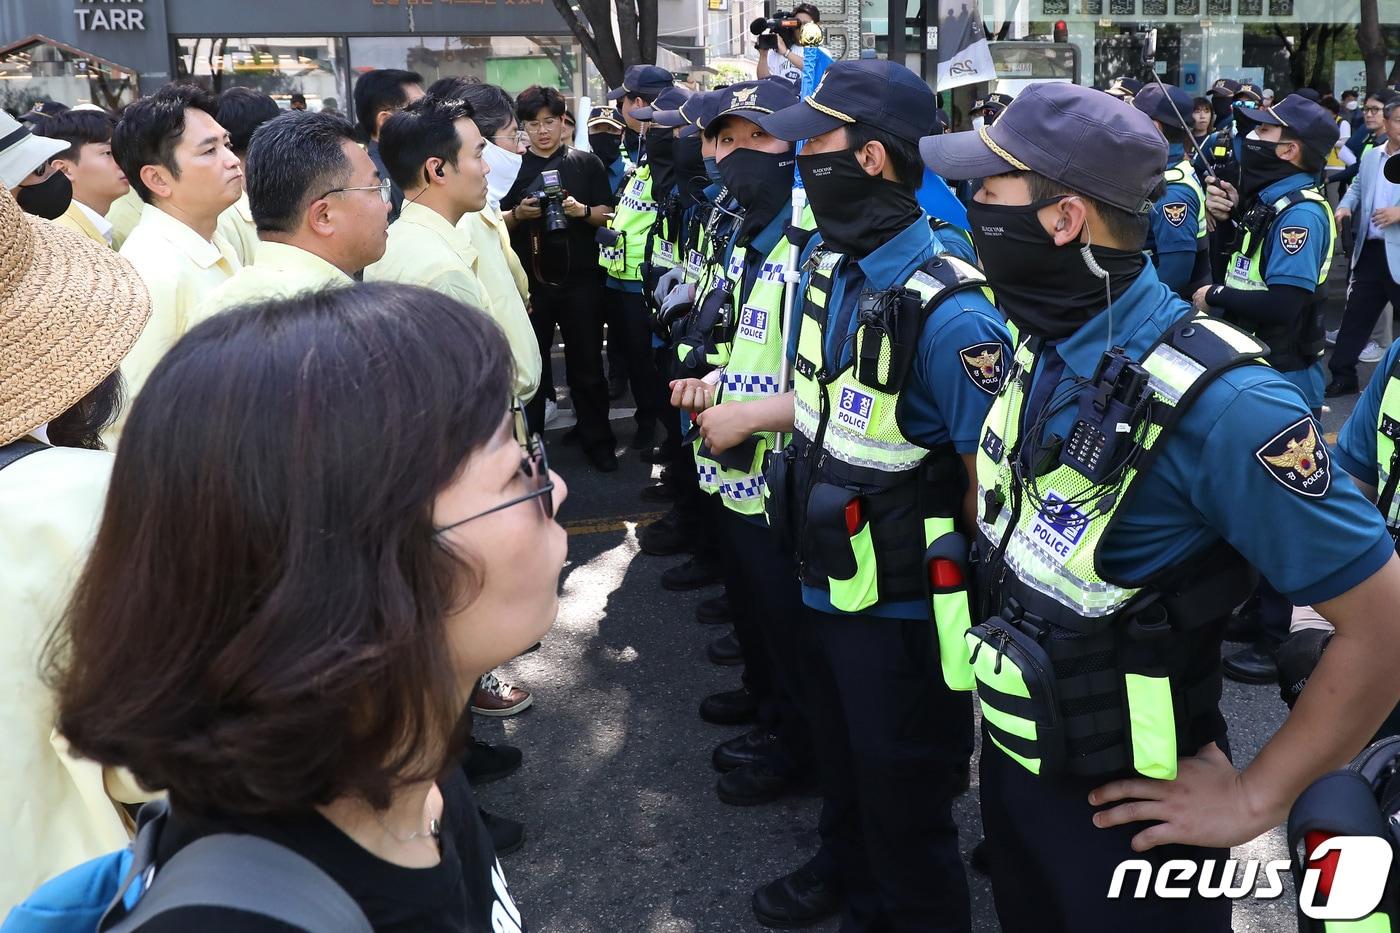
963	55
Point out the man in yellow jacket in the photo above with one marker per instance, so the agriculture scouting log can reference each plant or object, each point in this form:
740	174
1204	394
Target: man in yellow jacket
96	178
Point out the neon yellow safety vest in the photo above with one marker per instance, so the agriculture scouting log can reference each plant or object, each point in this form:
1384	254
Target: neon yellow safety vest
1388	451
865	505
754	354
1293	345
1079	673
633	219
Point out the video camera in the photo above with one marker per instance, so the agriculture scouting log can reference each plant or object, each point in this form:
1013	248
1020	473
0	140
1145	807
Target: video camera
551	197
769	28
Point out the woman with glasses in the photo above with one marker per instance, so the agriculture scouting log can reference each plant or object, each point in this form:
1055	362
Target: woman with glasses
325	523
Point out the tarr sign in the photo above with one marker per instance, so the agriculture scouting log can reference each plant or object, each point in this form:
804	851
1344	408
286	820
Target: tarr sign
110	15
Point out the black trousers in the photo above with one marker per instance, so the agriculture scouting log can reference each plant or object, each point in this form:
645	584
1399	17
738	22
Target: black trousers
766	602
1372	285
577	311
634	342
1052	867
890	739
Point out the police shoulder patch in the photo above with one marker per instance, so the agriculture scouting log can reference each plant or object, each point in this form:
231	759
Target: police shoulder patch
1175	212
1292	239
985	365
1297	458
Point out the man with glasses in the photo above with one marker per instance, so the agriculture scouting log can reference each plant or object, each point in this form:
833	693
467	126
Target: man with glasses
321	209
554	220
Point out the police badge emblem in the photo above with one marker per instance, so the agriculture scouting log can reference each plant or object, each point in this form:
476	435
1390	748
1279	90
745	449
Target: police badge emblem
1297	458
1292	239
1175	212
985	365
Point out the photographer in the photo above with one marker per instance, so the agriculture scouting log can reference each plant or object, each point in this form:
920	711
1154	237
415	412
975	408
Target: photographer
558	200
782	60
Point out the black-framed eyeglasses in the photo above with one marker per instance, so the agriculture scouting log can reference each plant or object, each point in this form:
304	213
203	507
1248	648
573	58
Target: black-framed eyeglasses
382	188
534	464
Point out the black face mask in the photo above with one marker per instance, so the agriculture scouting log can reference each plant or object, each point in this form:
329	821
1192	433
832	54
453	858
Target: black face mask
631	139
856	212
606	146
1046	290
1260	167
661	156
1220	106
690	169
762	183
49	198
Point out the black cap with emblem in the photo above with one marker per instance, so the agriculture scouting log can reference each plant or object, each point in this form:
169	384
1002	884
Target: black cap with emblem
752	100
873	91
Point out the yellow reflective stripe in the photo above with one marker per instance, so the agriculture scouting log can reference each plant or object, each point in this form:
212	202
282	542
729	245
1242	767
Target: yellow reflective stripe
1378	922
862	590
1152	725
952	617
1030	764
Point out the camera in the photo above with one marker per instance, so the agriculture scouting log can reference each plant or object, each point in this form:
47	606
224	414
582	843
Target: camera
551	197
769	28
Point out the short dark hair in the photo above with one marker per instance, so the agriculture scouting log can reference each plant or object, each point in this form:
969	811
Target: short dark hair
903	155
529	102
150	129
381	89
1348	93
1174	135
77	128
1384	95
422	130
83	424
1124	226
492	108
646	98
1310	160
260	626
810	10
241	111
297	99
295	158
1200	103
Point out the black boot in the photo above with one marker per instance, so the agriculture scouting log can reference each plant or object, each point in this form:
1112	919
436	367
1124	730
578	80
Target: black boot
754	784
725	651
506	835
730	707
743	750
801	899
1252	665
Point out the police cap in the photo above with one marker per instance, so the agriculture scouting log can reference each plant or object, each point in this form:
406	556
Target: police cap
876	92
752	100
1079	137
647	80
1170	107
1309	121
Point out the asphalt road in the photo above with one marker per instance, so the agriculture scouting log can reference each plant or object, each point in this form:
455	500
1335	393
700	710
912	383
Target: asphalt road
625	832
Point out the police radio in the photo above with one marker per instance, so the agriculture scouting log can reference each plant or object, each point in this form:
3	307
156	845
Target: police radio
1108	411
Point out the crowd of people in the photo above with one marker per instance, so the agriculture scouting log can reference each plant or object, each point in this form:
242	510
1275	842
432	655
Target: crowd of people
1051	453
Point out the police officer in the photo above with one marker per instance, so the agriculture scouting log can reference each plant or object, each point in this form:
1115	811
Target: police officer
1124	88
897	353
623	248
1114	486
1177	236
985	111
605	128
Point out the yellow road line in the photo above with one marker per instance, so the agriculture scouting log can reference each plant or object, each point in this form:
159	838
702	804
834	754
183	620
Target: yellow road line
597	526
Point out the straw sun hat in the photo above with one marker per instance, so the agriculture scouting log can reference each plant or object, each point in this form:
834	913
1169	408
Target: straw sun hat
69	311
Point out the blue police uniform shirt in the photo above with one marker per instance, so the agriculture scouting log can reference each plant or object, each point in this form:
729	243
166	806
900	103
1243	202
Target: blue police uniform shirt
1211	481
1299	269
940	401
1356	442
1174	231
615	173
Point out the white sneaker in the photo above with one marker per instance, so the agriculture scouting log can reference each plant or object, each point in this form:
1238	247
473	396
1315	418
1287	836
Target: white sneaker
1331	337
551	413
1371	353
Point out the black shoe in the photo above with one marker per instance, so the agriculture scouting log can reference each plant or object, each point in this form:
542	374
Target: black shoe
690	575
1338	387
645	438
506	835
617	387
571	436
1252	665
801	899
724	651
603	460
743	750
658	455
754	784
485	763
665	537
714	611
730	707
1243	625
657	492
978	858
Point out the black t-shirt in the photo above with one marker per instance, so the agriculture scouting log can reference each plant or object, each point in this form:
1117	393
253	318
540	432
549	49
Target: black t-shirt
583	175
463	893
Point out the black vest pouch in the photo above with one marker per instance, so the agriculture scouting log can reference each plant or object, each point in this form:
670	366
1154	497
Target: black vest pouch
778	476
887	337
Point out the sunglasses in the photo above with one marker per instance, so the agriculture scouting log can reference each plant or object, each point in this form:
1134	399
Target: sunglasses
534	464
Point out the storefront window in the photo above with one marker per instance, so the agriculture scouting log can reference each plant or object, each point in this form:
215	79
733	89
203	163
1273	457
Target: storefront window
279	67
513	62
34	69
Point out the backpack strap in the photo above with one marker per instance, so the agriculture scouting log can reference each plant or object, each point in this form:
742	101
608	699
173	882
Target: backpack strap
232	871
17	450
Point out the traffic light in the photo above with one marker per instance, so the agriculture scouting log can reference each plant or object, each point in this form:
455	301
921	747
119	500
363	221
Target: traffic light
1061	31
